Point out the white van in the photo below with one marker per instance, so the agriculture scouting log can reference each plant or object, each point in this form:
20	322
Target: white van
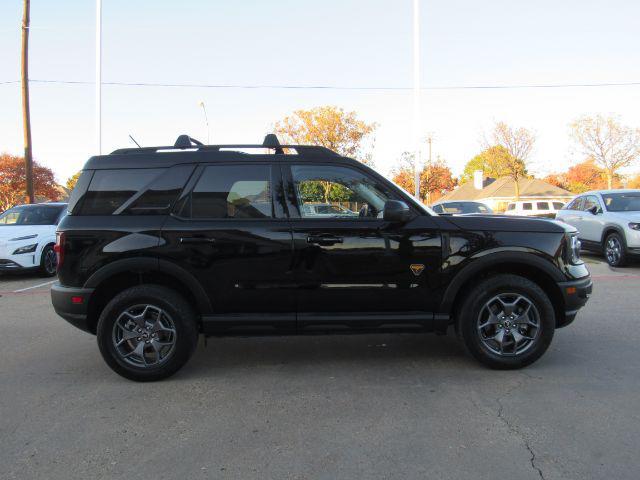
534	208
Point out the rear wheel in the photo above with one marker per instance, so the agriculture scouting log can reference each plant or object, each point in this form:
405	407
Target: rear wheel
507	322
615	250
147	333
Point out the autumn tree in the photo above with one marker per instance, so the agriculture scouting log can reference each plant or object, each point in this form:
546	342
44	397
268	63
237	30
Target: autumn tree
12	184
634	182
612	145
330	127
435	179
494	161
582	177
518	142
72	180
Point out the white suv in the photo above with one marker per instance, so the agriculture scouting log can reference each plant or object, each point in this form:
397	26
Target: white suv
534	208
608	222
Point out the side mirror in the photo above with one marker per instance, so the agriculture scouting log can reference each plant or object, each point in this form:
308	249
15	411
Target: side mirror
594	210
396	211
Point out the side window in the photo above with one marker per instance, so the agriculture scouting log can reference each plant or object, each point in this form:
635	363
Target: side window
232	191
527	206
512	206
576	204
437	208
558	205
159	197
589	202
542	205
110	189
325	191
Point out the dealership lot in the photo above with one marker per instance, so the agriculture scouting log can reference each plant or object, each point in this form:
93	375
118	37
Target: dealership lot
378	406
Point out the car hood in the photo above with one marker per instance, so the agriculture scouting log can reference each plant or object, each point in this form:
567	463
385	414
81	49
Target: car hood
7	232
501	223
628	216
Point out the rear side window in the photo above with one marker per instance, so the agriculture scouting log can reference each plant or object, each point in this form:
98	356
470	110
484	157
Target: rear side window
576	204
134	191
527	206
542	205
232	191
558	205
512	206
79	190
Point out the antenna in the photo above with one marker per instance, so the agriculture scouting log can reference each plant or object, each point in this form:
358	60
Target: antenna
134	141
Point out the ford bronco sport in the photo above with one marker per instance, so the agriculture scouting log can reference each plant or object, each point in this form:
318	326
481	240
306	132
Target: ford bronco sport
163	244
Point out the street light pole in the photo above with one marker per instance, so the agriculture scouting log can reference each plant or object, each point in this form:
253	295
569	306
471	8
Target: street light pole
99	76
416	96
206	119
26	117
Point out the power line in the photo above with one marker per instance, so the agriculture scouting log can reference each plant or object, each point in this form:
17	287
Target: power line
332	87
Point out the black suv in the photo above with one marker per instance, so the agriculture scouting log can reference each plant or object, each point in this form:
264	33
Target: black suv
162	244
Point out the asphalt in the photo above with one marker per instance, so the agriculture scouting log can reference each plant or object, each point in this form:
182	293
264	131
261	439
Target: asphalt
374	406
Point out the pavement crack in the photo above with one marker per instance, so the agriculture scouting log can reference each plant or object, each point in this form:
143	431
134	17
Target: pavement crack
515	430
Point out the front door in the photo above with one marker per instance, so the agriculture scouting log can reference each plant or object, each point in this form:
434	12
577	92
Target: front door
229	231
351	266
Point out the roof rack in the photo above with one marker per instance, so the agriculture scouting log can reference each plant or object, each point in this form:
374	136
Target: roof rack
187	143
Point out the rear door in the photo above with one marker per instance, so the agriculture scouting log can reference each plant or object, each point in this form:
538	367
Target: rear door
229	230
353	267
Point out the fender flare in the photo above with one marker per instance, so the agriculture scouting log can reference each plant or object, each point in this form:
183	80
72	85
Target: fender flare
615	227
133	265
486	262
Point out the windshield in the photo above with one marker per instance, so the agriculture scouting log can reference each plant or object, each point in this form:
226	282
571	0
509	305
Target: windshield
465	207
31	215
622	202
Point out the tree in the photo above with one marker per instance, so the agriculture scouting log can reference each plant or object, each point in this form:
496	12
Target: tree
634	182
518	142
611	145
435	179
582	177
329	127
12	184
494	161
72	180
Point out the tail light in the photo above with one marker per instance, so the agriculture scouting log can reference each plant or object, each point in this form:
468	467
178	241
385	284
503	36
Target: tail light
59	248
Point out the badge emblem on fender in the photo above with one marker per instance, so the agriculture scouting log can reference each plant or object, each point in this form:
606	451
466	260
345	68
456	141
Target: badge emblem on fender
416	268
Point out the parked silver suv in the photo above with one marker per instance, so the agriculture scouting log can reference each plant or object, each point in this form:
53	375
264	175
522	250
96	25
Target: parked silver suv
608	221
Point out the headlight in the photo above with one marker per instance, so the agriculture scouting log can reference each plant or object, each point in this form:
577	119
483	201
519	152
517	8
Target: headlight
27	237
574	249
26	249
634	226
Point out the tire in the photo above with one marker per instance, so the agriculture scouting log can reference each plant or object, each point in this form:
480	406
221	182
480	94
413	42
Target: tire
147	333
509	292
48	262
615	250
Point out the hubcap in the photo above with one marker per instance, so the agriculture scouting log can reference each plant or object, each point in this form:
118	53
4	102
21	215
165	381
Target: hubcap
50	261
508	324
613	250
144	336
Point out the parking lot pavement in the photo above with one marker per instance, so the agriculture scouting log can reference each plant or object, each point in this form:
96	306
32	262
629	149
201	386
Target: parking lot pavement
379	406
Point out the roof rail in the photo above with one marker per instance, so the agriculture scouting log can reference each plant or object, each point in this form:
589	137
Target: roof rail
185	142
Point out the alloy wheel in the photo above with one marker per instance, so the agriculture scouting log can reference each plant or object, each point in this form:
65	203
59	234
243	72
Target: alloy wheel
144	336
508	324
50	261
613	250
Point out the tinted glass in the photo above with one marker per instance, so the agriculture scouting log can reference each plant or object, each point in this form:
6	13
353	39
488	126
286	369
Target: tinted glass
527	206
438	208
622	202
161	194
512	206
110	189
233	191
79	190
542	205
352	193
558	205
32	215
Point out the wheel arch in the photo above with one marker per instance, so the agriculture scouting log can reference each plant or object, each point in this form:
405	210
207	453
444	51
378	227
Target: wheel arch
612	228
527	265
122	274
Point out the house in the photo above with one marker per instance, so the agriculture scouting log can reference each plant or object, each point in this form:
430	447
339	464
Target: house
497	193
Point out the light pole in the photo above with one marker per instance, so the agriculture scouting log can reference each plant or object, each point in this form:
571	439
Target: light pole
416	96
99	76
206	119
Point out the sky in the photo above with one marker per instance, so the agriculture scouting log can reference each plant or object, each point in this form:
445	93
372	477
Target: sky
357	43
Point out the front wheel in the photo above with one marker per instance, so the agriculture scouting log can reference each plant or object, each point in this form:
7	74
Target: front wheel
506	322
147	333
48	262
614	250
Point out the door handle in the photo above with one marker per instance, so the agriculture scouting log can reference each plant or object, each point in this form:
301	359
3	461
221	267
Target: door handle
324	239
193	240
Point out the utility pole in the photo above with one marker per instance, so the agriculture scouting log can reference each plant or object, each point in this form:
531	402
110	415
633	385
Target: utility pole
416	97
26	117
429	141
99	76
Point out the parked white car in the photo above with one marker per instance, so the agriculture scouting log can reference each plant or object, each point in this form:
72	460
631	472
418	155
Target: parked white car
27	237
461	207
534	208
608	221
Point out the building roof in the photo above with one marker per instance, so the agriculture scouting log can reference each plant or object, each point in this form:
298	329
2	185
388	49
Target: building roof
504	187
